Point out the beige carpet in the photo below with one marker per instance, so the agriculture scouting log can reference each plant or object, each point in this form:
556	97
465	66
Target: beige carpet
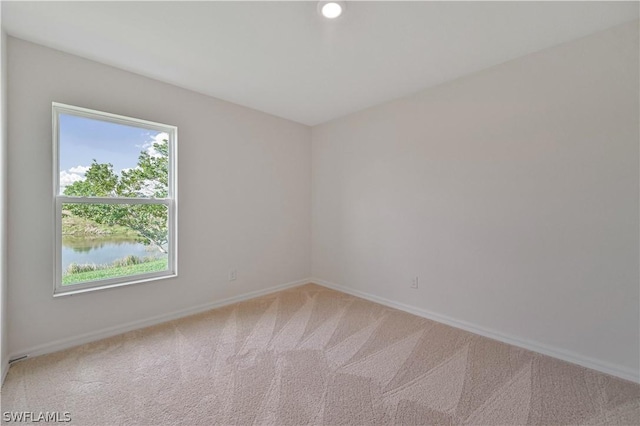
310	355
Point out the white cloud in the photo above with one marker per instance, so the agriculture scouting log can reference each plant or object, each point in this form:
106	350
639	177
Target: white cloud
148	146
149	188
81	170
74	174
67	178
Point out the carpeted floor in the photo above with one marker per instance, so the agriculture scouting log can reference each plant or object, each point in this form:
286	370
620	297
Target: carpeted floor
311	355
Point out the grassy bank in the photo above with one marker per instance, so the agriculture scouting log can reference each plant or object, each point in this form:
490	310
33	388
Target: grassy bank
78	227
118	271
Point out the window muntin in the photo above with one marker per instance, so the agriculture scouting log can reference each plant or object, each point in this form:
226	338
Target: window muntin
115	200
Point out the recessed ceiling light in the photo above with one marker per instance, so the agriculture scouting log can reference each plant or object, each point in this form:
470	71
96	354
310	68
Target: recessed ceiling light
331	9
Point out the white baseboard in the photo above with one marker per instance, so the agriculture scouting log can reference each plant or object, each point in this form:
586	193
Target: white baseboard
4	369
61	344
564	355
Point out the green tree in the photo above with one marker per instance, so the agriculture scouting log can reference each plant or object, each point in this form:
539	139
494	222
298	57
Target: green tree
149	178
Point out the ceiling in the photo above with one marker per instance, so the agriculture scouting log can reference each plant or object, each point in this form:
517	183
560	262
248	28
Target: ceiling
283	58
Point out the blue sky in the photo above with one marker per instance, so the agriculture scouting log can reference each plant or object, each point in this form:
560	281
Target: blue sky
83	139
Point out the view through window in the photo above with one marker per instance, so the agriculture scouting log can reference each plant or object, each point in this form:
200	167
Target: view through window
115	199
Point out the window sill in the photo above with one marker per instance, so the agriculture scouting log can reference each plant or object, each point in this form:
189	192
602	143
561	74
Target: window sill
58	292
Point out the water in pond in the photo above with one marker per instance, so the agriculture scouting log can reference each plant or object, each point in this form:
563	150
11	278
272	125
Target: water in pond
102	250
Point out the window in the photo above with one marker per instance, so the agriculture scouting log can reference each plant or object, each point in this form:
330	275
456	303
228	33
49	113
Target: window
115	200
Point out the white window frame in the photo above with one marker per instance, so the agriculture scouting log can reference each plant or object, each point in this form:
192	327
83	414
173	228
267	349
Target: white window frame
58	200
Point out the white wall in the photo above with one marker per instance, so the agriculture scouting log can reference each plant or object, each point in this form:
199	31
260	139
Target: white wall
512	193
244	191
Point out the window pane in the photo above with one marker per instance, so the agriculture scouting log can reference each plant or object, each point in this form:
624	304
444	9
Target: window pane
101	241
104	159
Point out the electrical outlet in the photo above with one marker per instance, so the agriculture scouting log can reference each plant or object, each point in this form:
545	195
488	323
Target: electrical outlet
414	282
233	274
